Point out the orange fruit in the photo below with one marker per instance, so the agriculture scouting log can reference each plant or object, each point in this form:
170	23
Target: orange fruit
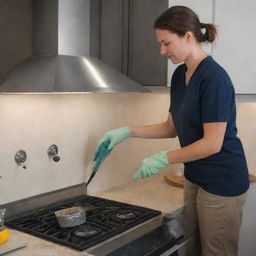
4	235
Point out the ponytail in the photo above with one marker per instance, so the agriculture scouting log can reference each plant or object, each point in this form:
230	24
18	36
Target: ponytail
210	33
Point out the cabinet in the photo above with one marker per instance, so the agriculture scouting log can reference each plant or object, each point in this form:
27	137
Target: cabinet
16	26
146	65
122	35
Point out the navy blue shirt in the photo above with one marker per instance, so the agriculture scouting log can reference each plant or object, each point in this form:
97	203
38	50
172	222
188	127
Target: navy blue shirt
209	97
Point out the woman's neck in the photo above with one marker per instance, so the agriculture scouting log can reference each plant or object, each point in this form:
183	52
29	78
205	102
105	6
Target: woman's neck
194	59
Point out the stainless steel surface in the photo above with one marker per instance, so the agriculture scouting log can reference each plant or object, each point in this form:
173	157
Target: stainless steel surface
16	208
52	150
64	71
179	248
20	158
70	217
115	242
2	214
53	153
74	27
66	74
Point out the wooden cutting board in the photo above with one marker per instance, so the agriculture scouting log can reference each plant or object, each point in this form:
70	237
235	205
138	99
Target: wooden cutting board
174	180
178	181
252	178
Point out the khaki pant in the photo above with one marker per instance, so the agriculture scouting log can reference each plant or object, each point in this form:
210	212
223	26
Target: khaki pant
213	220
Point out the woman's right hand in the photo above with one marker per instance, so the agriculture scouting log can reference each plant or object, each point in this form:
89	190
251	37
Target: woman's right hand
110	139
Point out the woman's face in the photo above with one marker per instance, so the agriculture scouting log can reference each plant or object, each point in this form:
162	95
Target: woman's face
174	47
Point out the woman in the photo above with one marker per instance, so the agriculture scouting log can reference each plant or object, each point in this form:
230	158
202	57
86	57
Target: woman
202	114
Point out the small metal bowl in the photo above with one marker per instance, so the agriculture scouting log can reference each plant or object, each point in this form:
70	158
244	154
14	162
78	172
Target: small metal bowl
70	217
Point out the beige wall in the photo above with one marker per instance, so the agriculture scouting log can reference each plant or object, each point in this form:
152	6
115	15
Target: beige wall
75	123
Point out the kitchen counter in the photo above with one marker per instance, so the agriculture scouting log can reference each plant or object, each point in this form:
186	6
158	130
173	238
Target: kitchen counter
39	247
152	192
166	90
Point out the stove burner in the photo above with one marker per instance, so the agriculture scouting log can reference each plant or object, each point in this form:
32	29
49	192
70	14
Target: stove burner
87	231
125	215
104	220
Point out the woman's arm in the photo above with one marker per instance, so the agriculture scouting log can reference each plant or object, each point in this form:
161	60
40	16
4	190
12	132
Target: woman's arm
155	131
210	144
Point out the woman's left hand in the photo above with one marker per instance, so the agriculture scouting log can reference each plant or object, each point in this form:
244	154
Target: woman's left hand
151	165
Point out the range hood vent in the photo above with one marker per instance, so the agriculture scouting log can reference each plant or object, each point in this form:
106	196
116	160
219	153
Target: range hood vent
52	71
66	74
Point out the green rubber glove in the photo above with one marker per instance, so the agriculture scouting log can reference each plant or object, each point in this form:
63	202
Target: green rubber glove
112	138
151	165
106	144
101	155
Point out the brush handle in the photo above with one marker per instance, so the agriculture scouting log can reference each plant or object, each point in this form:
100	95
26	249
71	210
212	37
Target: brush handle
90	179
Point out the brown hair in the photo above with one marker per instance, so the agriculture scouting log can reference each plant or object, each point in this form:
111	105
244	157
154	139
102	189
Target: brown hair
180	19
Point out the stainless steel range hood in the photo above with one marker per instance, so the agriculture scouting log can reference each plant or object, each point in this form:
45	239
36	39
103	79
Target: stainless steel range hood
66	74
63	73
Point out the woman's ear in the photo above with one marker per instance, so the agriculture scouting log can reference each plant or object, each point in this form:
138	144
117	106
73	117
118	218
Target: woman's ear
189	35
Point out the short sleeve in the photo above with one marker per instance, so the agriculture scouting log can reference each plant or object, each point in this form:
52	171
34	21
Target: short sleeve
216	96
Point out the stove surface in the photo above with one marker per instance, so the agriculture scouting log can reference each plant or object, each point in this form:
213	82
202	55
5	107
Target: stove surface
104	220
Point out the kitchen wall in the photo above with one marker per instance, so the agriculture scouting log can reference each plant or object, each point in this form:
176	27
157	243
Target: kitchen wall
75	123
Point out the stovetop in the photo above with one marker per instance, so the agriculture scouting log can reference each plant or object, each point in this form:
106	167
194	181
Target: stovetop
104	219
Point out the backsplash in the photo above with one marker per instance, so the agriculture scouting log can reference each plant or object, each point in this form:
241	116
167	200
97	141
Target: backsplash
75	123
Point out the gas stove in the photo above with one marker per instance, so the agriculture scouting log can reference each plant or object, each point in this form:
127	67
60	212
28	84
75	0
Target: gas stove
109	224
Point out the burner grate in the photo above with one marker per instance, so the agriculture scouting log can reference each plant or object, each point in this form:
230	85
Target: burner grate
110	217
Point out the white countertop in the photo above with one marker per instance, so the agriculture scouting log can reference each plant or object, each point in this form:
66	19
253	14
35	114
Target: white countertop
38	247
152	192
